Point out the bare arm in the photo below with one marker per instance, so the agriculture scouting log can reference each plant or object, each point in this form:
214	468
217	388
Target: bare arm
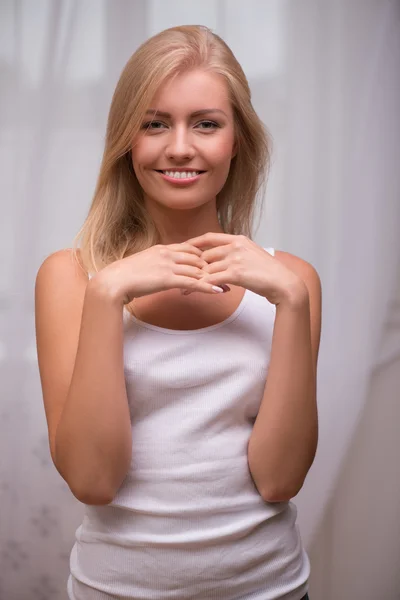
80	350
79	335
283	442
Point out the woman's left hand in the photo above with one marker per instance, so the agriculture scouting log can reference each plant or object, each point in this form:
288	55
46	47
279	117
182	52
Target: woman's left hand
236	260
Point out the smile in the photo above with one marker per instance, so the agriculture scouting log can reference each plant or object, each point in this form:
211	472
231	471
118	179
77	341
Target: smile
181	177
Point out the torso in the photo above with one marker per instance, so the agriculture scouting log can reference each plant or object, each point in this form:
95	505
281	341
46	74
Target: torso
172	310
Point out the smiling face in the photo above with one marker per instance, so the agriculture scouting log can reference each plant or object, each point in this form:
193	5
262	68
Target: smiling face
183	152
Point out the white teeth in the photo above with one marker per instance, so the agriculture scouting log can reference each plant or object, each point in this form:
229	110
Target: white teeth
181	174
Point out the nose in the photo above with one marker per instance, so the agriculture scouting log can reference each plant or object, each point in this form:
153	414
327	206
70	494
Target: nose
179	146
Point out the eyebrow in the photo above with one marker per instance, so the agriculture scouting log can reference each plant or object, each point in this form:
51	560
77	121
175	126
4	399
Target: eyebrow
197	113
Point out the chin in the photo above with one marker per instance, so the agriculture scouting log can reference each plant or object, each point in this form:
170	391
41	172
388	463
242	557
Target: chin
184	205
187	203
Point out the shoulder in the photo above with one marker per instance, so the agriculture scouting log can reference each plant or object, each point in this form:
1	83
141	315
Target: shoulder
62	261
303	269
307	272
60	276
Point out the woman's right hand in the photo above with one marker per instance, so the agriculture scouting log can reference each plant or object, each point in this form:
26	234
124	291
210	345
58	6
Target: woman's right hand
158	268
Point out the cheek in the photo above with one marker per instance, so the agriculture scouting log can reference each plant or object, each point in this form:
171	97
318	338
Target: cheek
143	156
142	153
218	153
221	163
221	153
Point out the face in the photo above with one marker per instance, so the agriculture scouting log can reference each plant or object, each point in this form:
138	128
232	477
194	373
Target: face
183	152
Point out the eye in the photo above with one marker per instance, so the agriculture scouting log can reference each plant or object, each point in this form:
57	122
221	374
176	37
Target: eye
151	124
158	125
211	125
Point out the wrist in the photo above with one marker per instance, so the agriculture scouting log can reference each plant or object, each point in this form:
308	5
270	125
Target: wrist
102	286
295	295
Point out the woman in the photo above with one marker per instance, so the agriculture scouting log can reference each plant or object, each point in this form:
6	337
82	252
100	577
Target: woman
155	339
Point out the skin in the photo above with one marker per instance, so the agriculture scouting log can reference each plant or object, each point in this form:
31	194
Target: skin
203	142
284	438
193	256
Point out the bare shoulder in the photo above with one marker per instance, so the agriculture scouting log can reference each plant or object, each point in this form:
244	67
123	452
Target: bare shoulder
60	261
60	280
307	272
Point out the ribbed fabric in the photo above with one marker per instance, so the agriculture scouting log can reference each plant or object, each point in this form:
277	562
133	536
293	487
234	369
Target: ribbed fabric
188	523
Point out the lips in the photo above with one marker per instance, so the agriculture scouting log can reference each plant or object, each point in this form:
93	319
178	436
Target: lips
181	181
179	170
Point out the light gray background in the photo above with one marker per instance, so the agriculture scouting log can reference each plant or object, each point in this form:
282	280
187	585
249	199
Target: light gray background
325	79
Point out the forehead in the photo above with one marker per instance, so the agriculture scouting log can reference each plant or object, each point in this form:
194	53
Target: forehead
191	91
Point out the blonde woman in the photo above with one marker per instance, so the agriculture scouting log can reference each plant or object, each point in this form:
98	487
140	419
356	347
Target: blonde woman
178	357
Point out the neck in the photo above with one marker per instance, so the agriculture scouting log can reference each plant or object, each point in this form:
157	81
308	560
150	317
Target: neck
178	226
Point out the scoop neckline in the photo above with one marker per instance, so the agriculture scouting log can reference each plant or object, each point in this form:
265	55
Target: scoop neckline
165	330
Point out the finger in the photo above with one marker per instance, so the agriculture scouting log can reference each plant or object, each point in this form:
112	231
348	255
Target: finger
220	278
193	285
211	240
183	258
218	253
223	286
185	247
216	267
188	271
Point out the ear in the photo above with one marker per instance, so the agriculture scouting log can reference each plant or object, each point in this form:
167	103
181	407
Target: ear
234	150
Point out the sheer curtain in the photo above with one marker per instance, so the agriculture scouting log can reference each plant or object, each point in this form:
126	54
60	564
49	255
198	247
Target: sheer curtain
325	80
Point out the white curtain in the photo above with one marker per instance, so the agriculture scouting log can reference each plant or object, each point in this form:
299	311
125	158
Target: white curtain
325	79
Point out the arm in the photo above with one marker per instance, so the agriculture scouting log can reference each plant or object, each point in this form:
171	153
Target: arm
79	335
283	442
79	338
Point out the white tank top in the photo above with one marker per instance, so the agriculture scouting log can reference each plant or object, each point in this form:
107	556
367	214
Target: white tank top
188	522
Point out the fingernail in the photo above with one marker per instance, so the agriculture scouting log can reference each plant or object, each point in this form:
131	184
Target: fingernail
217	289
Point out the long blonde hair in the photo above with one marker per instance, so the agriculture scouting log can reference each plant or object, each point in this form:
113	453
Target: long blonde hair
117	224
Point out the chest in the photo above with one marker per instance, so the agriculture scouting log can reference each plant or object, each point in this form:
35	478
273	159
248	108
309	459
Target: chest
172	310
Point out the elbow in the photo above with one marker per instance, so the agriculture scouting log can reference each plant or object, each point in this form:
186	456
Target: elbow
100	493
97	492
277	497
93	497
280	494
